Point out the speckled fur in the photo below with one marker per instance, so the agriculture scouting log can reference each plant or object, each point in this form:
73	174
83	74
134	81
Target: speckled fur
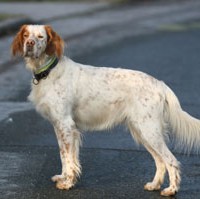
76	96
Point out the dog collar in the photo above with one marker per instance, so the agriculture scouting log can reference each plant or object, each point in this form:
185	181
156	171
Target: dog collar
44	71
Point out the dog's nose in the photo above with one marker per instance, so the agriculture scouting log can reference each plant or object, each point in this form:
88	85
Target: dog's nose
30	43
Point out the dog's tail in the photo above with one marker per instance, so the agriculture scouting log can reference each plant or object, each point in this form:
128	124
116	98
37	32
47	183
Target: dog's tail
185	127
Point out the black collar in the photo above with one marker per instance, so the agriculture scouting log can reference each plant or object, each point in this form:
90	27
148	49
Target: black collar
45	70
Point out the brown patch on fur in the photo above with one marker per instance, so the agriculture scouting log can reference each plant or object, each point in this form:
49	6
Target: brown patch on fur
67	146
18	42
55	44
62	135
62	152
70	178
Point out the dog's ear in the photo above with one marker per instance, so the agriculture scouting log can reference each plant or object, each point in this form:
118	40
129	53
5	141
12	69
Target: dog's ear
55	44
18	42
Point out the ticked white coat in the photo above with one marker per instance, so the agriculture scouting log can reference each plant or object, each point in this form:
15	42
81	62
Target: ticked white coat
80	97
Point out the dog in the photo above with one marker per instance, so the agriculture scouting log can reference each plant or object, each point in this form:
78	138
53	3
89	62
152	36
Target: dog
77	97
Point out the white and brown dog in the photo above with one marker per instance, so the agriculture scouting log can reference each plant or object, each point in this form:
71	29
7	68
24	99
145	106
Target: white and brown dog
73	96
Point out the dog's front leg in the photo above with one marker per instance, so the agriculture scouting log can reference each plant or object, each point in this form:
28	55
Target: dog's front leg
69	141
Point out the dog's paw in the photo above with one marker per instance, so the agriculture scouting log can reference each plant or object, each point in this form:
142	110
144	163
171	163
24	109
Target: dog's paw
64	185
150	186
64	182
57	178
170	191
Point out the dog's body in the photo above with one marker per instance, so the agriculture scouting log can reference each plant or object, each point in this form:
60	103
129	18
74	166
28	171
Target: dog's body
76	96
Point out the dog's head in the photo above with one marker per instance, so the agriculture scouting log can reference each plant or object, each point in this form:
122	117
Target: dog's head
35	40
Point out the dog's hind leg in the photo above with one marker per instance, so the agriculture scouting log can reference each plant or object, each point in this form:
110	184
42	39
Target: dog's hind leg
160	165
164	159
173	168
160	172
149	133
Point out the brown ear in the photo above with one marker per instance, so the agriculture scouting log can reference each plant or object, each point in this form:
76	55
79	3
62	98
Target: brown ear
55	44
17	44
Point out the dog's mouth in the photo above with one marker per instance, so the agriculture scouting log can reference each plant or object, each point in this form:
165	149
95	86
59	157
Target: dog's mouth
29	53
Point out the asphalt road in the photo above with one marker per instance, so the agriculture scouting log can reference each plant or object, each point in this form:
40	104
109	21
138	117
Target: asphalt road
113	167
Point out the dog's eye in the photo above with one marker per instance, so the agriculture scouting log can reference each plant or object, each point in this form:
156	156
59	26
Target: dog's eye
25	35
40	37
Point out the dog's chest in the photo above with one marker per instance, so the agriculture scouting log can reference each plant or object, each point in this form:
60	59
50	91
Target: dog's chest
47	98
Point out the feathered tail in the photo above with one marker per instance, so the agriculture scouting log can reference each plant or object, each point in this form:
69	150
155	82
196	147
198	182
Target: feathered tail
185	127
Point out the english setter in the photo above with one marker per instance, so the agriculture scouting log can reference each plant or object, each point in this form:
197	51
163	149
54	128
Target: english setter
73	96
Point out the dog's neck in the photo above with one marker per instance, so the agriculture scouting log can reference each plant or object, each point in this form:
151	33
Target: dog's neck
35	64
